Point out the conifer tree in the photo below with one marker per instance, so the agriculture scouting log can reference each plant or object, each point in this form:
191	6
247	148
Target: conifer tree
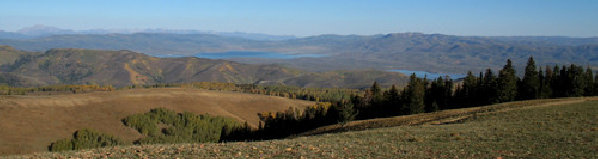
589	82
469	90
347	113
531	82
555	82
576	81
392	100
489	87
507	83
414	95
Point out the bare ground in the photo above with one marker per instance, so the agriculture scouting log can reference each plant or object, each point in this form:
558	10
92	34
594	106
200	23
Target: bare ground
30	123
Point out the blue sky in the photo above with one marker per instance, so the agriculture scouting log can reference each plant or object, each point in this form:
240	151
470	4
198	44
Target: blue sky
311	17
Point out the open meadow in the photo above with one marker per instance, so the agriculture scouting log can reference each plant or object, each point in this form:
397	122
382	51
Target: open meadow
554	128
31	123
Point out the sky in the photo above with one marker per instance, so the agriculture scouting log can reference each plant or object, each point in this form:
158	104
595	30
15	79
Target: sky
313	17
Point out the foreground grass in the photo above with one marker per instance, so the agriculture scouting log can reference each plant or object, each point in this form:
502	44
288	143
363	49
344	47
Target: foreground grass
550	131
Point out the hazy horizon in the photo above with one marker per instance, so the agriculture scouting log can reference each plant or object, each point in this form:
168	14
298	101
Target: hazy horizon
306	18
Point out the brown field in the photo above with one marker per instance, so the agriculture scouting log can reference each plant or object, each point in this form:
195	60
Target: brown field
552	128
30	123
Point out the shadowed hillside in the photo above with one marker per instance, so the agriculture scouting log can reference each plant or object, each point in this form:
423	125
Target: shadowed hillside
122	68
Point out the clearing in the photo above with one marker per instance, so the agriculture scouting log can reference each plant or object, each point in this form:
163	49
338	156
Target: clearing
30	123
554	128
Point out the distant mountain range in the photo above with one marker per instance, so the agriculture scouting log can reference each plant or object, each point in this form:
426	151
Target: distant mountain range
39	30
409	51
122	68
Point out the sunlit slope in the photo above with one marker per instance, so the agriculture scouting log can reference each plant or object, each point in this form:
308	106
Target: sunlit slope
30	123
563	128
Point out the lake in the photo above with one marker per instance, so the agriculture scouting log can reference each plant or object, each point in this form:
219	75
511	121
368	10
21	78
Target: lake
429	75
251	54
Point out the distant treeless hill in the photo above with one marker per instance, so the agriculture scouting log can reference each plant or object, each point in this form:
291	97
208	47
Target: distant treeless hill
122	68
30	123
410	51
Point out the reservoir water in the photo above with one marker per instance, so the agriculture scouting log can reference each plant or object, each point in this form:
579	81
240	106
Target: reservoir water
251	54
429	75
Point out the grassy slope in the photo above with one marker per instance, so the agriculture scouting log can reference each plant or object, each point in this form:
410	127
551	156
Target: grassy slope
564	128
29	123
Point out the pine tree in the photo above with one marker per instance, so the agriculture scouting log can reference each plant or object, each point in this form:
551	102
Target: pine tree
576	81
555	82
376	91
470	87
531	82
507	83
414	95
545	81
589	82
392	101
489	88
347	113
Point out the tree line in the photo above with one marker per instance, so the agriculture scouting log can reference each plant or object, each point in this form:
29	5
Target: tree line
422	95
64	89
85	139
162	125
159	126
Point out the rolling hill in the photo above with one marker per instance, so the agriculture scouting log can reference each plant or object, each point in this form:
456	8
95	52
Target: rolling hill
30	123
410	51
123	68
554	128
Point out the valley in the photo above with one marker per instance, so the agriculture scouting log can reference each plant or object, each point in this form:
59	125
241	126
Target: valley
405	51
124	68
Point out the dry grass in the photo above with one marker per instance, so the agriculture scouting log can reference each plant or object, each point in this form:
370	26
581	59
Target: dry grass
562	128
29	123
444	116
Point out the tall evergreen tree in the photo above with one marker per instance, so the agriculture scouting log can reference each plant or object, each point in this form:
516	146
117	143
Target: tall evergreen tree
377	98
531	81
576	81
589	82
545	81
489	87
470	85
507	83
555	82
414	95
392	101
376	90
347	112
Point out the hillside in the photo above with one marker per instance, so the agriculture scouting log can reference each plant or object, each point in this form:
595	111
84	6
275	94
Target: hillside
410	51
123	68
561	128
30	123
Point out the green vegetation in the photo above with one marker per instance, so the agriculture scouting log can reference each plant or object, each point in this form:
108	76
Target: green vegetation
85	139
291	92
534	131
421	96
165	126
56	89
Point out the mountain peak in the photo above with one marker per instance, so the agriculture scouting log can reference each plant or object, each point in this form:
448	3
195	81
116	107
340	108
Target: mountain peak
40	29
